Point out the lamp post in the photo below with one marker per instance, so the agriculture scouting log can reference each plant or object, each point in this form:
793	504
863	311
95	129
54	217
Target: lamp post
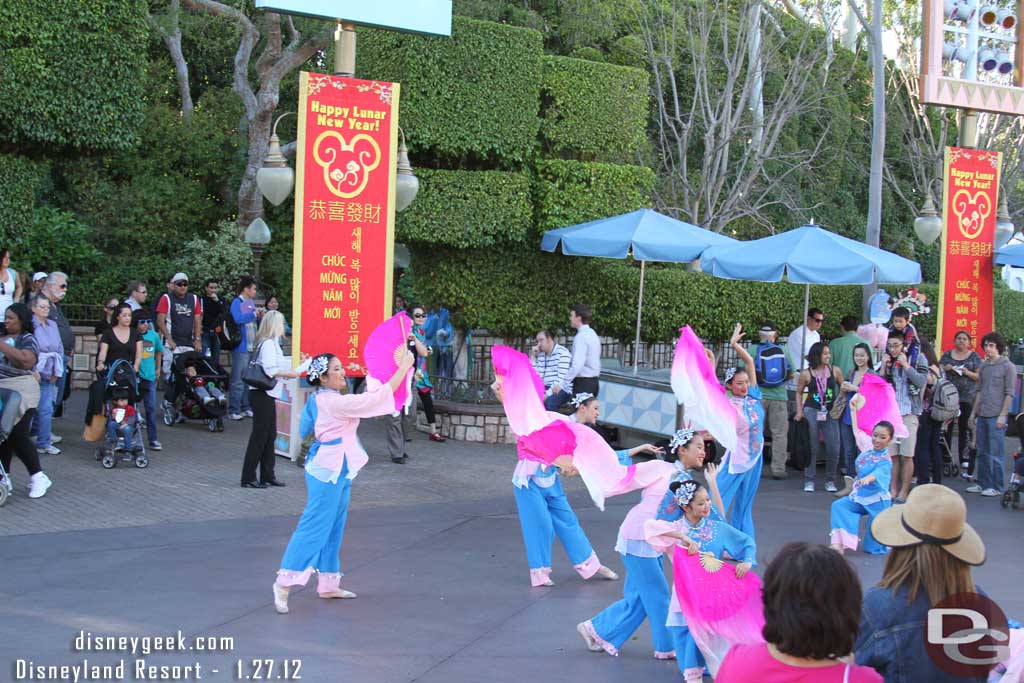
928	226
275	178
1004	226
257	236
407	185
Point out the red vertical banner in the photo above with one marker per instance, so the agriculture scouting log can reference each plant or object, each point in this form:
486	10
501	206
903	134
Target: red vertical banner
970	198
344	214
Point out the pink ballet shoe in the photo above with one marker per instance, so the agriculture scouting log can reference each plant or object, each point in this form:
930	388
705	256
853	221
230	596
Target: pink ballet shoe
606	573
592	644
340	593
280	599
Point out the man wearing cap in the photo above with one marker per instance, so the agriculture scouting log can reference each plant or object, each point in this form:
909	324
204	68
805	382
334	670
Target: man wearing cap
179	315
38	280
774	398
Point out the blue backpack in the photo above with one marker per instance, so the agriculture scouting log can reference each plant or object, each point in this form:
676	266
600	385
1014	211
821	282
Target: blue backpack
772	365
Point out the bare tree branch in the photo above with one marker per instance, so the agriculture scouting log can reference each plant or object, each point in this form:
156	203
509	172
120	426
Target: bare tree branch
171	36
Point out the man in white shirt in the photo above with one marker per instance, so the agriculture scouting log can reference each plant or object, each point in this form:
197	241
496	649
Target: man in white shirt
796	345
137	294
586	353
551	360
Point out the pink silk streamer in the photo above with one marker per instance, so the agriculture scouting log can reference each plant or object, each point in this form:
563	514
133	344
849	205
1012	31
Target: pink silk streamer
720	610
697	388
874	334
879	404
545	436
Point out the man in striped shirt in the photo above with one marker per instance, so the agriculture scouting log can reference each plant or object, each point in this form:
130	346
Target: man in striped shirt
551	361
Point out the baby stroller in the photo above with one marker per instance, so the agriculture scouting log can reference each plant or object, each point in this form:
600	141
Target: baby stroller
199	384
125	443
9	404
950	463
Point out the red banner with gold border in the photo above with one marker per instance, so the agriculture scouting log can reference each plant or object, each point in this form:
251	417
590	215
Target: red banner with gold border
970	198
344	214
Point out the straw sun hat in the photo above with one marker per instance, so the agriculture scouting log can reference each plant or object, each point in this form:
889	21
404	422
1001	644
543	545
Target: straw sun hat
933	514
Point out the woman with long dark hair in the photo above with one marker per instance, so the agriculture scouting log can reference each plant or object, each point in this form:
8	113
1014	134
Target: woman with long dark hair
849	387
961	365
333	461
19	353
823	380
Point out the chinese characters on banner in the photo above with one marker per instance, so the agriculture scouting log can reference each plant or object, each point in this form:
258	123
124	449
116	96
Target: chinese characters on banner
344	214
970	197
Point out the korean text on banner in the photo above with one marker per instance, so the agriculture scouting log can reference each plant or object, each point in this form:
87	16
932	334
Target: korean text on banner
344	214
970	197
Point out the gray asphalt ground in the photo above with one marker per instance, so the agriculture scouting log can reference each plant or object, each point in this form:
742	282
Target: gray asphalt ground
432	547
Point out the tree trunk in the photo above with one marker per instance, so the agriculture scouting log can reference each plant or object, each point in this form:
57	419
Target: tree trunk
250	199
874	226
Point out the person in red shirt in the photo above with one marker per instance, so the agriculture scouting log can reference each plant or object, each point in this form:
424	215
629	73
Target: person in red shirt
812	603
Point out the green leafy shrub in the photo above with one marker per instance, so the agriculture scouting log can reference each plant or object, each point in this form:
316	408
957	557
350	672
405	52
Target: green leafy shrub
593	111
570	192
467	101
72	73
468	208
21	179
225	255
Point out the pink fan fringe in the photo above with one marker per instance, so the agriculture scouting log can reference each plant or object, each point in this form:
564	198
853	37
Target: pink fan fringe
879	404
718	605
696	387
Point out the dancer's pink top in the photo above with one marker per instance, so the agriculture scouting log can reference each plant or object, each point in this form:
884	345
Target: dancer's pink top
338	417
652	478
522	398
696	387
746	663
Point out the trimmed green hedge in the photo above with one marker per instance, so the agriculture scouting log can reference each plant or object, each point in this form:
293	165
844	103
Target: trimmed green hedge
518	294
570	192
72	72
468	100
20	181
593	111
468	208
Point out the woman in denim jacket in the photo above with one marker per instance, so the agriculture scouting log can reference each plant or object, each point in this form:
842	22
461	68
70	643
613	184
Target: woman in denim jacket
933	550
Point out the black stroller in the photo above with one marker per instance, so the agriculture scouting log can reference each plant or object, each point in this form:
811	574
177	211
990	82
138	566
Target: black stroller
121	383
199	391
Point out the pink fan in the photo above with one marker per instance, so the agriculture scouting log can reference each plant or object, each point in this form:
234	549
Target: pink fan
720	609
547	444
696	387
522	391
879	403
384	349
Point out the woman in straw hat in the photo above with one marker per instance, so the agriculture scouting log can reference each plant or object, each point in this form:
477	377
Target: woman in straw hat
933	550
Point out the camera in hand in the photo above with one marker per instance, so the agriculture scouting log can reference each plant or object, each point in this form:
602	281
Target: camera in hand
412	346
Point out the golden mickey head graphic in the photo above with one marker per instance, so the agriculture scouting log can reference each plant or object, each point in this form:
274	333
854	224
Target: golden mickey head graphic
347	164
971	212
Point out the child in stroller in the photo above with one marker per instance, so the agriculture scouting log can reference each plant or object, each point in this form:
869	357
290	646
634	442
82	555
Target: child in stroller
123	428
199	396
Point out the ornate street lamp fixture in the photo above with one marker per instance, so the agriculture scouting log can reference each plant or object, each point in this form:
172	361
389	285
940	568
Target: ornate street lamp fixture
406	183
928	226
275	179
1004	226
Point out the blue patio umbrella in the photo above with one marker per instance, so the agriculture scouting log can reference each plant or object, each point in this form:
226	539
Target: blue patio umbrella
1011	256
810	255
646	234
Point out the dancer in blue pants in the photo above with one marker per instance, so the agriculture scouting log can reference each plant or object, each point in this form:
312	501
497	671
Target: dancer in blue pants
870	495
741	469
544	511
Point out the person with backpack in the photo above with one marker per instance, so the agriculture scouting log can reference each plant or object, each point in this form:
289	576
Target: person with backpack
243	316
773	371
940	398
962	364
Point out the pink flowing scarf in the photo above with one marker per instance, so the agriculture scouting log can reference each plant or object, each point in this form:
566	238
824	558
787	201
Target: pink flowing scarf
720	609
696	387
879	404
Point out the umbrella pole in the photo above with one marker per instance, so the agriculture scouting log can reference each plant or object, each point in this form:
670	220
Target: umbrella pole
639	312
803	335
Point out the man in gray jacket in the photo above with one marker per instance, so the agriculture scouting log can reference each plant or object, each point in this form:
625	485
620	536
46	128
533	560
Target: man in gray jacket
997	382
908	381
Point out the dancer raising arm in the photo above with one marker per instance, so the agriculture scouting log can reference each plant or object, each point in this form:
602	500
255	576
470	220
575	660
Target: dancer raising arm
333	461
741	468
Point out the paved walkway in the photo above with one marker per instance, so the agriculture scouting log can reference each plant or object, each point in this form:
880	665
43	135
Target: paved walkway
432	547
